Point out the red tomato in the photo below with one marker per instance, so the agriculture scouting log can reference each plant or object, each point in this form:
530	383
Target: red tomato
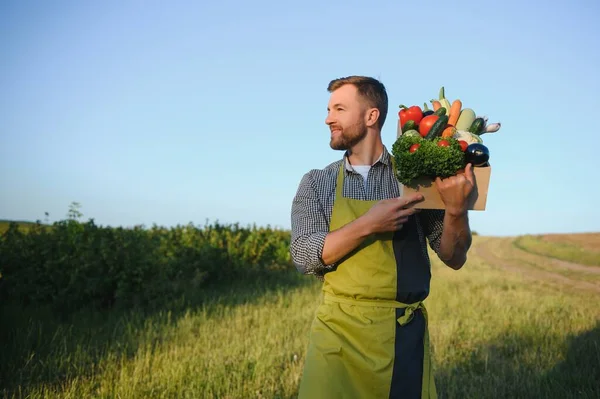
463	145
426	124
443	143
414	147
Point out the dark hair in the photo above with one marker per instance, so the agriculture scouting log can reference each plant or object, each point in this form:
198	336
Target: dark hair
370	89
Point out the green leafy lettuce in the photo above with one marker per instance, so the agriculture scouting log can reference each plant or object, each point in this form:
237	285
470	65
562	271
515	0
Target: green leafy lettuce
429	160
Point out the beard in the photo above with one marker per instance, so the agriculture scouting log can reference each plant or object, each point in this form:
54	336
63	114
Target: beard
349	136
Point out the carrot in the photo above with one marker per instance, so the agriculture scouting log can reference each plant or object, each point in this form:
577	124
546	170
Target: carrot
454	112
448	131
436	105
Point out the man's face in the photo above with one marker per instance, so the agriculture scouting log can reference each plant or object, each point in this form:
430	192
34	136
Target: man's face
346	118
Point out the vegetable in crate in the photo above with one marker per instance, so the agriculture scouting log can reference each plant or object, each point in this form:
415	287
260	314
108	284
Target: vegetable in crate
413	113
467	136
454	112
477	126
437	128
443	100
409	125
442	142
412	133
465	119
477	154
491	128
441	157
427	123
426	110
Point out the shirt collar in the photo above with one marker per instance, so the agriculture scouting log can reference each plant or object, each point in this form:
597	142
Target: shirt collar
384	158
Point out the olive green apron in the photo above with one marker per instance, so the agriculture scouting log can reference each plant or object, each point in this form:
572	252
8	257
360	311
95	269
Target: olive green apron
369	338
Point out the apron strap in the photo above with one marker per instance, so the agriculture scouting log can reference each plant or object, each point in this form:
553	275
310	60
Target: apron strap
339	186
409	312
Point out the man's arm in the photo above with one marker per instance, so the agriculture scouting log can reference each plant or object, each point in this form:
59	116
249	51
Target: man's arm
448	235
455	240
385	216
452	237
342	241
309	229
315	250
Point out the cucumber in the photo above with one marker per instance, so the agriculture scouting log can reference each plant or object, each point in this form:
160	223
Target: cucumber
409	125
466	119
441	111
477	126
437	127
445	104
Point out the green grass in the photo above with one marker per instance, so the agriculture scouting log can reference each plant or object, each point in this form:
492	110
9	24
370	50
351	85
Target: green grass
493	335
496	335
560	250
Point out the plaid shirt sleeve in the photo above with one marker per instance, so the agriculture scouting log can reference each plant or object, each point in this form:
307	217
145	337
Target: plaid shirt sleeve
432	221
309	229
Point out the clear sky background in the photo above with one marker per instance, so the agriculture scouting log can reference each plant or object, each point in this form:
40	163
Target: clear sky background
186	111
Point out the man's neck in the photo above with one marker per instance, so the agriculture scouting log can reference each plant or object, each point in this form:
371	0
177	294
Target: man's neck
367	152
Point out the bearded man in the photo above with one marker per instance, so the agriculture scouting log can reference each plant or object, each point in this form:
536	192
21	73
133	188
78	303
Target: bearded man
368	244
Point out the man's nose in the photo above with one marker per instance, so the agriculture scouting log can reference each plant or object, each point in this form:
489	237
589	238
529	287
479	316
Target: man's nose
328	119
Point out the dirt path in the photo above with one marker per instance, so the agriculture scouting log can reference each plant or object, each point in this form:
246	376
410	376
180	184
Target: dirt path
500	252
571	266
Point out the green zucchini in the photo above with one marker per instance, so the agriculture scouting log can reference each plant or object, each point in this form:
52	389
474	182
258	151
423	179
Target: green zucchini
409	125
441	111
477	126
437	128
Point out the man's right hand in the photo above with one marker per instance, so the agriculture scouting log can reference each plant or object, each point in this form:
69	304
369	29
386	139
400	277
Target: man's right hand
390	214
384	216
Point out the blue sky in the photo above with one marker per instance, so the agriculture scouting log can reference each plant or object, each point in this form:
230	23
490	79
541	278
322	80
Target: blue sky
187	111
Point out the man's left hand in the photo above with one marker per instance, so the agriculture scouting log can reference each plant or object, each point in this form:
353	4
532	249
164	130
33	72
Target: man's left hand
456	191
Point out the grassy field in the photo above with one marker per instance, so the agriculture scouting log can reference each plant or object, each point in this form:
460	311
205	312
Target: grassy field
510	324
579	248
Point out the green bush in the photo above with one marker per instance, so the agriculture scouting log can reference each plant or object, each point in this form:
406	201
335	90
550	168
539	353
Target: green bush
72	265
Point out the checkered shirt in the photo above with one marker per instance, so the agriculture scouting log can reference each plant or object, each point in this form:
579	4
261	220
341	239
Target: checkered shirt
313	203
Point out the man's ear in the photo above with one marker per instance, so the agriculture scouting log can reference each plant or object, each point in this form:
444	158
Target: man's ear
371	116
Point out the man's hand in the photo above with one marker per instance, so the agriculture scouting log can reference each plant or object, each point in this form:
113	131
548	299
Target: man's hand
389	215
384	216
457	191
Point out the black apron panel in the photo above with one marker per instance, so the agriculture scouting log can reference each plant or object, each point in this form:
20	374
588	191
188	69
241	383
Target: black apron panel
407	375
412	267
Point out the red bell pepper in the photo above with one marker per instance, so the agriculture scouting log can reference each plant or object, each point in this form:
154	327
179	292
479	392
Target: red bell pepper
413	113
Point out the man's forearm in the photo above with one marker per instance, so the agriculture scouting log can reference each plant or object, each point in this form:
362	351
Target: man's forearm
455	240
342	241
